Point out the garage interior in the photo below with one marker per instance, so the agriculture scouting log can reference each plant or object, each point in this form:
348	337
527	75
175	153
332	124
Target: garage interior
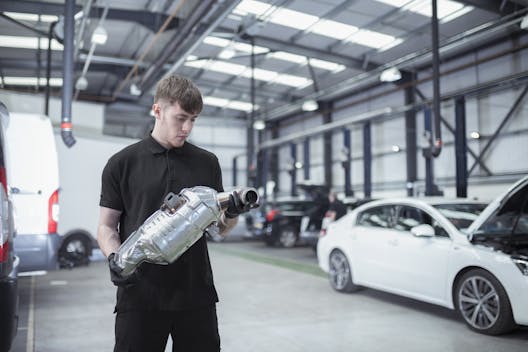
370	98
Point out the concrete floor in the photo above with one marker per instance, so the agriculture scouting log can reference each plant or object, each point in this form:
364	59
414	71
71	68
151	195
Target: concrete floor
270	300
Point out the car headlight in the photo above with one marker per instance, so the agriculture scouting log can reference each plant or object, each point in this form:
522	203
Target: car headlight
521	262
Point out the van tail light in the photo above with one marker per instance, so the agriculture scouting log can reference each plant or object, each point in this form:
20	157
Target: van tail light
4	251
53	212
271	215
3	178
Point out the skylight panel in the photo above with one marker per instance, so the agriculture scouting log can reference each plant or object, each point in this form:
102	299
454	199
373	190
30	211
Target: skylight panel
31	81
252	7
371	39
327	65
31	17
241	105
221	42
282	55
226	67
214	101
11	41
226	103
261	75
448	10
245	71
293	19
333	29
293	81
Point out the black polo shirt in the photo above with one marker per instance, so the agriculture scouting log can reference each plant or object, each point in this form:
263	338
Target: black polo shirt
135	181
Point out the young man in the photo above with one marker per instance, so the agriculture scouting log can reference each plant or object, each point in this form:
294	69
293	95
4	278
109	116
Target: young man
157	300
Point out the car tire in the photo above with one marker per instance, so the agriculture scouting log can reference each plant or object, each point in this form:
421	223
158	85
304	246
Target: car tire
340	273
482	302
75	250
287	237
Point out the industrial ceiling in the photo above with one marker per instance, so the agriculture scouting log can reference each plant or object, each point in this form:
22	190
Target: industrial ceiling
294	51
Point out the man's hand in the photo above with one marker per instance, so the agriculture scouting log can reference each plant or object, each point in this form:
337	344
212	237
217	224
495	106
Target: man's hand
115	274
237	206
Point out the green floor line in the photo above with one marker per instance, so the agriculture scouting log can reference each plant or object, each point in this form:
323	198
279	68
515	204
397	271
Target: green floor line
304	268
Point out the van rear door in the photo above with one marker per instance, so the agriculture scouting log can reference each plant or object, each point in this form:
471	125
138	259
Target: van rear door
33	180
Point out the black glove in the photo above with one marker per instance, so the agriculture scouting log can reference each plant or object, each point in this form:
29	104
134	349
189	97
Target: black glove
236	206
115	274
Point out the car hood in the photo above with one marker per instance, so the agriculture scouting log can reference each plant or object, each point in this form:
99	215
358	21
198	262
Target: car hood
517	244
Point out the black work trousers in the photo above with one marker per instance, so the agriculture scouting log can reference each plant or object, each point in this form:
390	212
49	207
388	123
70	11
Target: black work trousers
191	330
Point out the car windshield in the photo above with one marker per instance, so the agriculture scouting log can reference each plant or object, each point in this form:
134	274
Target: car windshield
461	214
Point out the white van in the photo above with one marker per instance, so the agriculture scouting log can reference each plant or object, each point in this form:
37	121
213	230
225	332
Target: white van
33	182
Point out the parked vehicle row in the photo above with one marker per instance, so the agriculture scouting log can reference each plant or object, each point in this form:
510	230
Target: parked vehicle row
458	254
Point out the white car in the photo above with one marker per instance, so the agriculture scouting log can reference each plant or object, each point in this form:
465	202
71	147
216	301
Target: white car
420	248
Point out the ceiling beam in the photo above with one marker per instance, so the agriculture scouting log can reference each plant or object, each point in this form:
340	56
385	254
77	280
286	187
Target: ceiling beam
151	20
494	6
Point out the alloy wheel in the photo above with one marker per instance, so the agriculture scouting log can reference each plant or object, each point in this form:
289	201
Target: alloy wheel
479	302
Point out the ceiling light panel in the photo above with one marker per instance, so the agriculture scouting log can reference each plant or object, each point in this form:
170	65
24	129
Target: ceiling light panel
247	7
333	29
31	81
279	55
31	17
12	41
447	10
371	39
293	19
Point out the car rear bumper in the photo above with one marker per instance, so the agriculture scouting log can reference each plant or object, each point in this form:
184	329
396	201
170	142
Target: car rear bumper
37	252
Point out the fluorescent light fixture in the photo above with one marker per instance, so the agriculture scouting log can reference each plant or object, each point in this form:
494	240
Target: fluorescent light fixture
259	125
333	29
394	43
31	17
247	7
294	19
327	65
302	21
13	41
31	81
134	90
99	35
226	103
371	39
474	135
395	148
227	54
278	55
245	71
282	55
447	10
390	75
241	105
82	83
310	105
524	22
298	165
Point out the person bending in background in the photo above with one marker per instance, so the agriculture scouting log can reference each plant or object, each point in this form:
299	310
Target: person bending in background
336	208
178	299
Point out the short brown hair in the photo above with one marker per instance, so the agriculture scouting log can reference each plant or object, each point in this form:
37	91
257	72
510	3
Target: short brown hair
181	90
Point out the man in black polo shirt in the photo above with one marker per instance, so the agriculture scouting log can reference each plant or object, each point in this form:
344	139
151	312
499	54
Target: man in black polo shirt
157	300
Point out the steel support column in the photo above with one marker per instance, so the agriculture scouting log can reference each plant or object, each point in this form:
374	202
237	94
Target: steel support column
327	108
347	162
251	167
410	136
274	158
429	166
264	171
293	169
461	147
306	158
367	161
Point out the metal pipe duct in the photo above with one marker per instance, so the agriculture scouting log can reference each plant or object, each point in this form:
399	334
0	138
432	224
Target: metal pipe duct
436	147
67	74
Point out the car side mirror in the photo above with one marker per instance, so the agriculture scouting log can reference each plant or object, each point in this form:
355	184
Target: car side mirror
423	230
